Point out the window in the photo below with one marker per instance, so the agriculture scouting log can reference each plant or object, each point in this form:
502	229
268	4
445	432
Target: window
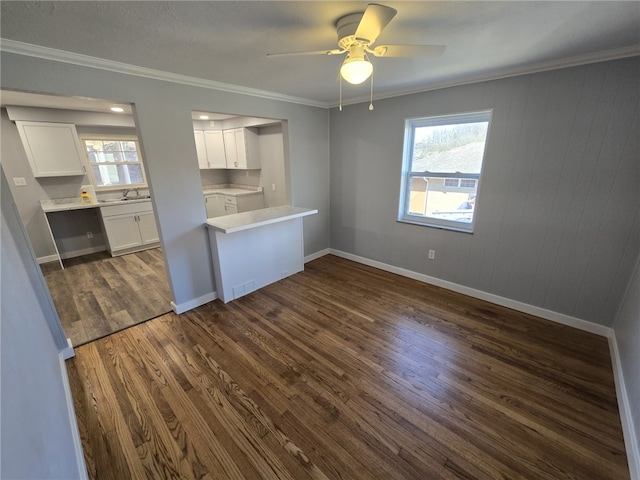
115	162
442	166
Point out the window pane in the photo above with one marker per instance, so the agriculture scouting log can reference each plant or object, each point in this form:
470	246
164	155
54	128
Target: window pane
451	182
449	148
130	152
438	198
443	166
94	145
115	162
106	175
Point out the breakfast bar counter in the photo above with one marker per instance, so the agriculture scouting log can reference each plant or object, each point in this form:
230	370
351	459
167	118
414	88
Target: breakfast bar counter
252	249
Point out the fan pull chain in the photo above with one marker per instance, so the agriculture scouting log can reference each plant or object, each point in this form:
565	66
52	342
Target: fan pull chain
371	97
340	93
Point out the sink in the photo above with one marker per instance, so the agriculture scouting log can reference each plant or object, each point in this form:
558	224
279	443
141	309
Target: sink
114	200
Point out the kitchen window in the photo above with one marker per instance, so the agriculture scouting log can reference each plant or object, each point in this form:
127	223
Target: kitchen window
442	168
115	162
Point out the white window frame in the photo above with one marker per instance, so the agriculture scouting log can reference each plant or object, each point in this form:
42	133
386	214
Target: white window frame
408	175
110	137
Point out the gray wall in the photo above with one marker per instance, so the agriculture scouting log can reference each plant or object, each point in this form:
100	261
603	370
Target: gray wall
627	328
558	213
37	431
163	117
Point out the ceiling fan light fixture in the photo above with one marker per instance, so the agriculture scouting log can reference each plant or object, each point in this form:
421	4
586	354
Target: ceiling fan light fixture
356	70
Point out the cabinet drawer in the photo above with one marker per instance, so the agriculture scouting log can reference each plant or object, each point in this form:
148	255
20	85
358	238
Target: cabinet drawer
230	199
136	207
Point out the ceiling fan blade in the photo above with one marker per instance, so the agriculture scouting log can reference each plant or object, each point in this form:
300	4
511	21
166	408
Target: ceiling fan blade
374	19
408	50
316	52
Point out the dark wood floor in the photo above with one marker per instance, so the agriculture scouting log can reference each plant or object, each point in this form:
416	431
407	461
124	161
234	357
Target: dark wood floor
97	294
347	372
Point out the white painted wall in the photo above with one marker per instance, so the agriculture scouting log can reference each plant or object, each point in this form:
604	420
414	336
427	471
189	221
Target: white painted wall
37	423
558	217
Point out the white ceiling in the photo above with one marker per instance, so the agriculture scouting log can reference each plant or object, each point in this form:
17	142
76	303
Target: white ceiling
227	42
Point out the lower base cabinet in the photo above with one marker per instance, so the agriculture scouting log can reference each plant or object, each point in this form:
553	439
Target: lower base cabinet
215	205
129	228
219	204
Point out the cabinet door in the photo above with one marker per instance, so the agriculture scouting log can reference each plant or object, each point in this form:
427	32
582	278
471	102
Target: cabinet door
122	231
215	205
53	149
230	209
214	143
201	150
148	228
250	202
230	148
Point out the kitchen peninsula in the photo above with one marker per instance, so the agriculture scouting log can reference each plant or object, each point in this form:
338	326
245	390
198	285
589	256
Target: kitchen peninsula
253	249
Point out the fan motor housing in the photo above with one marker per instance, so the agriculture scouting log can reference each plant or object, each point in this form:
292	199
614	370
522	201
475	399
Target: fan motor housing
346	27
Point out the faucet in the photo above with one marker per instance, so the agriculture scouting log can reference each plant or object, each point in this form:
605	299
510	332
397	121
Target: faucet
137	193
125	192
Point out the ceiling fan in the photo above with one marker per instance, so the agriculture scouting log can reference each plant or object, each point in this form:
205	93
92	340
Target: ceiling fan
357	32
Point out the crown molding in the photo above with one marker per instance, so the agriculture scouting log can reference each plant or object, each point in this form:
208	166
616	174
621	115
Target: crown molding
46	53
602	56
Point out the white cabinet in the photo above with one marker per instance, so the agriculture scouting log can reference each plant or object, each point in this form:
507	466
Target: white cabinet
201	150
130	227
148	229
243	203
236	148
210	149
214	144
215	205
53	149
242	149
219	204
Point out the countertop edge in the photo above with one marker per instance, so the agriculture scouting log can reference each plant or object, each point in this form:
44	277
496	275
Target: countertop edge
291	213
63	207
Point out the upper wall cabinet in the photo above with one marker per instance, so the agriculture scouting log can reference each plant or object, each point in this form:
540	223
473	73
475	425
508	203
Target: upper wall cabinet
236	148
241	148
210	149
53	149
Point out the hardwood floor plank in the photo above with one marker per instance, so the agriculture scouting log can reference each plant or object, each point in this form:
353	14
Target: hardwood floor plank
346	372
119	456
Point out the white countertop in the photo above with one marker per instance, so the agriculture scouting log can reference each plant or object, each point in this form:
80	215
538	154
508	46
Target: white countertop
257	218
236	190
64	204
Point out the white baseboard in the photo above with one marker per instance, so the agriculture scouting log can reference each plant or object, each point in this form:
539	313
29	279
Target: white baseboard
68	352
196	302
83	251
626	418
73	422
316	255
74	253
47	259
489	297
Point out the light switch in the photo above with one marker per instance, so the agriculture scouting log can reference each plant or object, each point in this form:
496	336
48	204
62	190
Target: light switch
19	181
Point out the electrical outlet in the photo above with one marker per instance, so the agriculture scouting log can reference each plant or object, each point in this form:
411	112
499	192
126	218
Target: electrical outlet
273	187
432	254
89	234
19	181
